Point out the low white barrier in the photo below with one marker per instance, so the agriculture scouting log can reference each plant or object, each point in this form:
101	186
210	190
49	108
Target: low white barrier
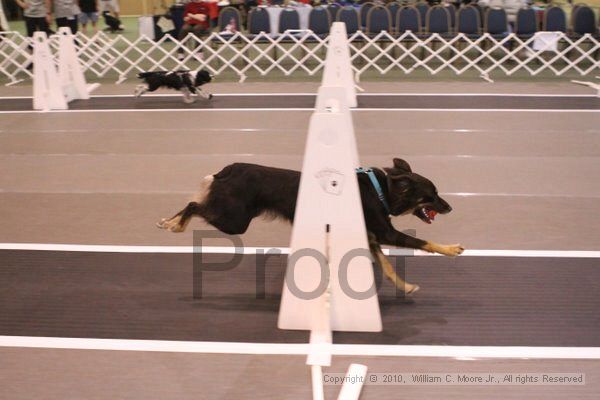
304	53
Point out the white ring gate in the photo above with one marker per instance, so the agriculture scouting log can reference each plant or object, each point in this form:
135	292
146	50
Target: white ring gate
302	52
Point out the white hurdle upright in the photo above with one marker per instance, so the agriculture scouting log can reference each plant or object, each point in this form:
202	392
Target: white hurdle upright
52	90
3	20
69	69
47	90
334	288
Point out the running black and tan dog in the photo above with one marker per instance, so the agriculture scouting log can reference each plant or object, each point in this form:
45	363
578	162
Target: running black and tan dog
230	199
187	82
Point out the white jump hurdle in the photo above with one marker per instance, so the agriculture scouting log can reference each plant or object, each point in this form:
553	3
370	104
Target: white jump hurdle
3	20
329	233
53	90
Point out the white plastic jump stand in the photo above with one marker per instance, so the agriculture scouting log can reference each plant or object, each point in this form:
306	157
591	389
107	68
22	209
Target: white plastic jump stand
329	224
71	74
329	234
355	377
593	85
338	67
3	20
47	90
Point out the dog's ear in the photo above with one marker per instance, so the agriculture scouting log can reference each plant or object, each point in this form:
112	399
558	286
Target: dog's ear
400	168
402	165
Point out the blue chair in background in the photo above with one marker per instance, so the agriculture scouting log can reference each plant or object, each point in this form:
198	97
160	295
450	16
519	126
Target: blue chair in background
289	19
584	21
349	16
258	21
408	19
452	12
468	22
527	24
364	11
378	20
481	12
393	9
228	15
496	23
423	7
555	20
319	21
437	21
332	10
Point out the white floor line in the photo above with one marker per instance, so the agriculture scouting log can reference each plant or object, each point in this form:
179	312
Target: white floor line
552	110
404	94
437	110
280	250
460	352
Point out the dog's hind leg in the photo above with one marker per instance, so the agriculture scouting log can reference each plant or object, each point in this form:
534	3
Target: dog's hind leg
140	90
180	221
388	269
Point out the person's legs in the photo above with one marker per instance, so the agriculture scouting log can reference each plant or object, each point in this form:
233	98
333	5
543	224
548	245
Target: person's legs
83	19
62	22
72	23
43	25
36	24
183	32
200	33
66	22
30	25
94	18
115	8
33	25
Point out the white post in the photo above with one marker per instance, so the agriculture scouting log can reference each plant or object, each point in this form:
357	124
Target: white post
329	197
593	85
71	74
355	378
3	20
47	91
338	67
329	282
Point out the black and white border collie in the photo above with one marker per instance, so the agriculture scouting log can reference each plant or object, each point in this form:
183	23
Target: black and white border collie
187	82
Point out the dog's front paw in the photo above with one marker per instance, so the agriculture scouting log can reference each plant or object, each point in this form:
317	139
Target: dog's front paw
410	288
171	225
162	223
452	250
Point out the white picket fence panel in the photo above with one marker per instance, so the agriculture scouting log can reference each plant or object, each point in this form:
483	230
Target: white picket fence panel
297	52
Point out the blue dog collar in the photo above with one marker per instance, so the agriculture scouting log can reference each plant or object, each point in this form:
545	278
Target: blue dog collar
376	185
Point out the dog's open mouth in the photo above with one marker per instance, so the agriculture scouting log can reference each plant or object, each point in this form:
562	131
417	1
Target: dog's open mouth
426	214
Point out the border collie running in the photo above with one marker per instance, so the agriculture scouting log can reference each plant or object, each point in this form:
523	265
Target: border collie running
187	82
231	198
